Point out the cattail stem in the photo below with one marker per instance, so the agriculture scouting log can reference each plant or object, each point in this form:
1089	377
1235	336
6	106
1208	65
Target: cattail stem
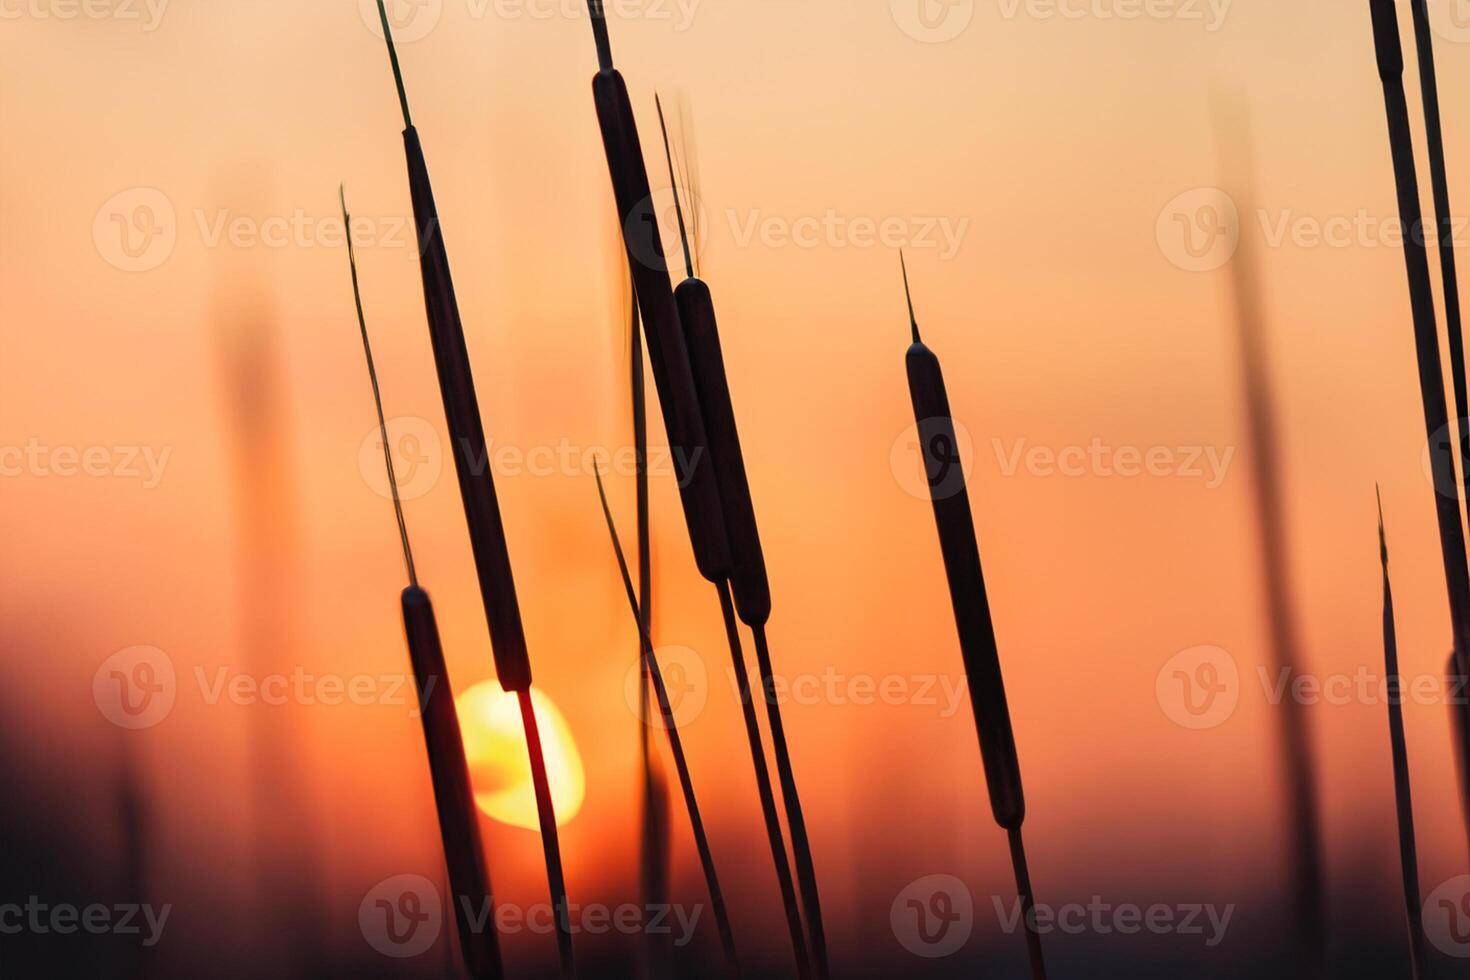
1388	47
960	549
1444	217
667	354
748	577
1457	680
676	744
654	840
1293	730
801	848
1390	56
477	489
459	829
1022	871
1408	851
132	820
550	840
763	785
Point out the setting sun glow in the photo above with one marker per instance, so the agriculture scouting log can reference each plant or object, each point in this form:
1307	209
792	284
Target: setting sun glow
500	769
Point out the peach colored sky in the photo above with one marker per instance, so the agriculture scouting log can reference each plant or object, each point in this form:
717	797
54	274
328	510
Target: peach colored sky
1048	147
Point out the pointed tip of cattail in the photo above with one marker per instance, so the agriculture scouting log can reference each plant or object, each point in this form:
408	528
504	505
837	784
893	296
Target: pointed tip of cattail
612	531
1382	534
367	349
599	34
908	295
674	187
397	70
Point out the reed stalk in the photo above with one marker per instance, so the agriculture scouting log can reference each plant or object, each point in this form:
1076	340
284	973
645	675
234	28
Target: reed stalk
477	491
676	743
459	828
1267	489
654	856
1457	681
749	580
1389	51
960	549
679	399
1403	799
667	354
1388	48
1444	219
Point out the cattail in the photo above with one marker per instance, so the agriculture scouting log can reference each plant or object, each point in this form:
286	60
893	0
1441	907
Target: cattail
748	578
654	853
1457	679
285	877
957	543
1444	218
477	490
133	825
459	829
1390	56
676	744
1421	297
1408	853
666	350
1294	734
683	417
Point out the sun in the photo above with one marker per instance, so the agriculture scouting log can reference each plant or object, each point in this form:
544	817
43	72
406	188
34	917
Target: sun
500	768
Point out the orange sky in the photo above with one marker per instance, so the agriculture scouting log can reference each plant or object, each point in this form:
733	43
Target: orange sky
1046	146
